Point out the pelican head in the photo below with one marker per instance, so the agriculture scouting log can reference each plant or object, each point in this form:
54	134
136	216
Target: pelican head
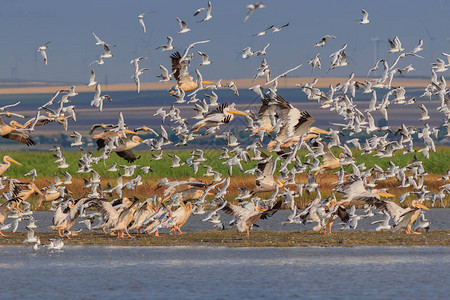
9	159
15	124
416	203
33	187
136	139
382	193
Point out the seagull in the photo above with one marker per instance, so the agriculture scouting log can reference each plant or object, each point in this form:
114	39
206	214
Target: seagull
141	21
208	13
92	81
323	40
424	112
165	76
315	62
183	26
276	29
396	45
252	8
263	32
205	58
98	100
42	51
100	42
78	138
365	18
135	63
106	52
136	78
168	46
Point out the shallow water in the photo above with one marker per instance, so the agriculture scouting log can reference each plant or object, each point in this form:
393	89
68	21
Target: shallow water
224	273
439	219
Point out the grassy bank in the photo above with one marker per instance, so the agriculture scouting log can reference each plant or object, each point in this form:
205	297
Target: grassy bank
257	239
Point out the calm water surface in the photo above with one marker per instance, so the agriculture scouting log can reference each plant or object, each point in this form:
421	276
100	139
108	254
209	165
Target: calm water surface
222	273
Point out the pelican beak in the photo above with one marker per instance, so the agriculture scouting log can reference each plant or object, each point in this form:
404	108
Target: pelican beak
139	140
386	195
129	131
237	112
13	161
207	82
318	130
37	190
134	206
261	209
422	206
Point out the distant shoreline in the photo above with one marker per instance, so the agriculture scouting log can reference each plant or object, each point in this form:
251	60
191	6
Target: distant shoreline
324	82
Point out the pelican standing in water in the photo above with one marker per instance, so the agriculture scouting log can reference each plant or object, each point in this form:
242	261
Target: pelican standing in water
6	163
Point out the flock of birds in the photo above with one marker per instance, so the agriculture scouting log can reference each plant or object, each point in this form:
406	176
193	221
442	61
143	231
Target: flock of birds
277	131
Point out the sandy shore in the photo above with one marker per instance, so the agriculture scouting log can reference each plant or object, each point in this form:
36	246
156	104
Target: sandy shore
231	238
324	82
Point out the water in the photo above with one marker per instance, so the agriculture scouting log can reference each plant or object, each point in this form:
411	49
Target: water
221	273
438	218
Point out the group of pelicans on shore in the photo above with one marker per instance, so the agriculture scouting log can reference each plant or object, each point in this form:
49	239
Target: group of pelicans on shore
288	129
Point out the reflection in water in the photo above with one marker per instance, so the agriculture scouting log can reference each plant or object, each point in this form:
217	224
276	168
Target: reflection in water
201	272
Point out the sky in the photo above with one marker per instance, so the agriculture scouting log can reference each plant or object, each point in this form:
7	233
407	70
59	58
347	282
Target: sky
27	24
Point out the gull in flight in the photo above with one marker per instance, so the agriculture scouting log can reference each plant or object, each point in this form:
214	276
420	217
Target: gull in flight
141	20
205	58
98	100
365	18
208	12
283	74
263	32
135	63
136	78
396	45
276	29
315	62
323	40
252	8
168	46
106	53
42	51
165	76
100	42
183	26
92	81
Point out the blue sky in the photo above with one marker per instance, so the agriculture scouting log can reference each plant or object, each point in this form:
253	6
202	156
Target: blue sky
68	25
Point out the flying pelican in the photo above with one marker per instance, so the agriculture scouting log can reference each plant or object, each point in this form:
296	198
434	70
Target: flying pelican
267	183
124	144
250	214
295	123
221	115
409	217
43	53
330	162
10	132
6	163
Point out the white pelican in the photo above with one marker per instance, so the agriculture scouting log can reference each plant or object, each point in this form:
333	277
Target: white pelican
10	132
221	115
6	163
409	217
250	214
123	146
295	123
